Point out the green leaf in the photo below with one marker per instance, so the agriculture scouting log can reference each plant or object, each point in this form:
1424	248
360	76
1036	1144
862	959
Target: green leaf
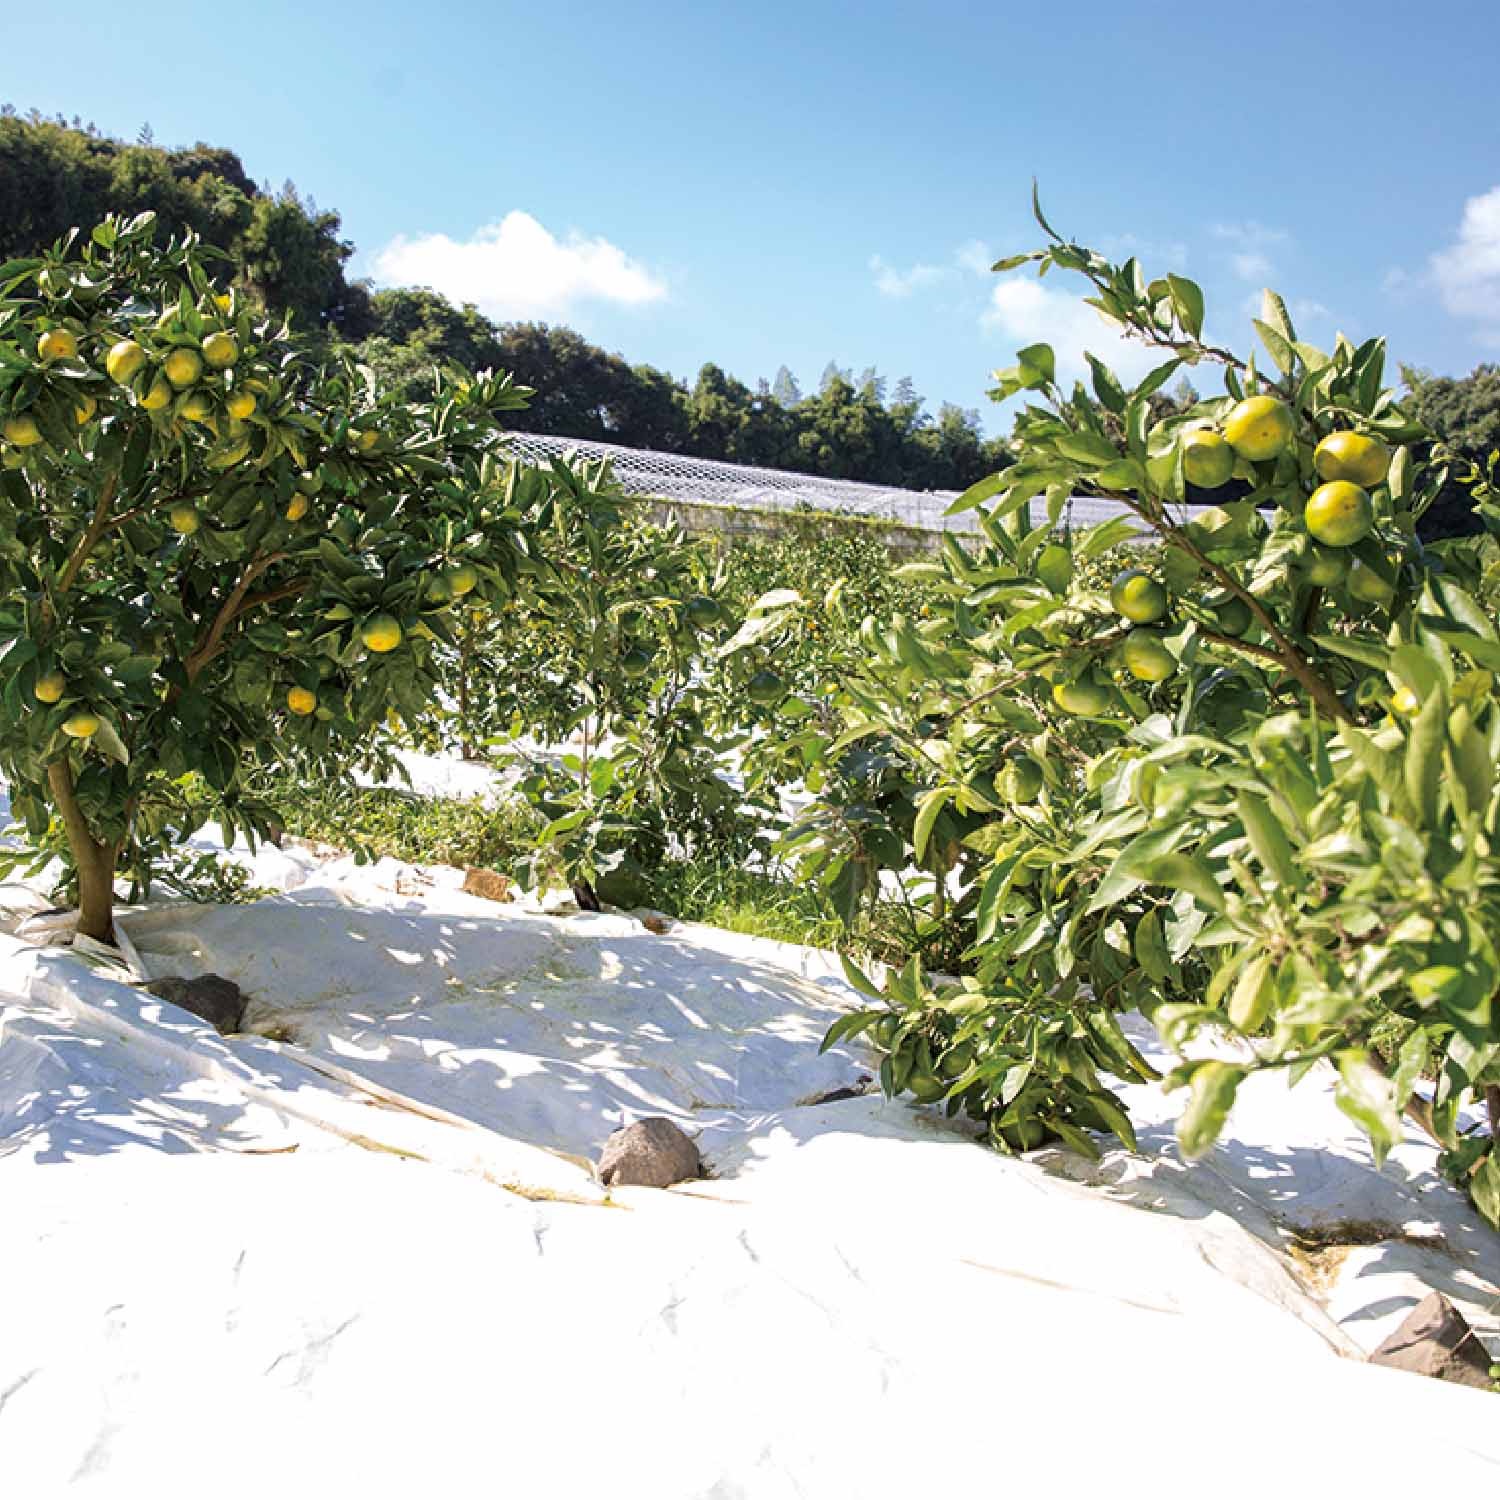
978	493
1107	387
927	813
1484	1186
1281	352
1268	840
1213	1088
1273	313
1184	872
1157	379
1364	1094
1424	759
1038	362
1187	302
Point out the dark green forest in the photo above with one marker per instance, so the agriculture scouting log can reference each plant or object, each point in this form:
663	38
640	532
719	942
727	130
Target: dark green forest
291	255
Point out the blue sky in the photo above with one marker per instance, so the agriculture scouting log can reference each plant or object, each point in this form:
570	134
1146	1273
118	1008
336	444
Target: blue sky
789	183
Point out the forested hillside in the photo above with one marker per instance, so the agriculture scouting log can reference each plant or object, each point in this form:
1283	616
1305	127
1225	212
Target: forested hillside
291	255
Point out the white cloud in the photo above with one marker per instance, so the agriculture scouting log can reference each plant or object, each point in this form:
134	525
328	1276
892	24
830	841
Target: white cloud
1024	311
975	256
1250	265
890	282
517	268
1467	273
1154	255
1250	259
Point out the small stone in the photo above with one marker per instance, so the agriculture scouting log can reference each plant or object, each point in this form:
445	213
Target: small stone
654	922
217	1000
489	884
651	1153
1435	1339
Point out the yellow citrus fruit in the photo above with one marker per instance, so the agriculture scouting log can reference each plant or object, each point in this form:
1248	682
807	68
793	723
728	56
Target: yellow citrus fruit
1354	457
223	301
56	343
461	580
1325	566
1138	596
84	409
1081	697
366	440
1054	567
1146	656
1339	514
158	395
296	507
381	634
301	701
1404	701
220	350
240	405
183	519
81	726
1259	428
182	367
196	408
125	361
21	432
1207	459
1366	585
11	458
50	687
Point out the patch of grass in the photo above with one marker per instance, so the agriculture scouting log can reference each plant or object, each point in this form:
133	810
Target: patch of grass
754	902
380	821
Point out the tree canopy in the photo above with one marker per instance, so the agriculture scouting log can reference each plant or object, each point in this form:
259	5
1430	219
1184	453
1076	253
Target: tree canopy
289	257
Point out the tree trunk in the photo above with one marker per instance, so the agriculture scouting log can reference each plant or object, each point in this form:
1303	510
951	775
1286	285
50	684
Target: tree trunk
95	862
585	896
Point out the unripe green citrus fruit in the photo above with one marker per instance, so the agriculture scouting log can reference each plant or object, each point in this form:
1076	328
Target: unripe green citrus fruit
1207	459
1020	780
125	361
1366	585
158	395
1325	566
765	688
1231	614
220	350
183	519
1082	697
196	408
462	579
1054	567
1354	457
1137	596
1260	427
21	432
1339	514
56	343
635	663
702	611
381	633
182	367
1146	656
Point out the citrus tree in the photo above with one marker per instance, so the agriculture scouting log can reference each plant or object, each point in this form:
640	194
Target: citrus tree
604	668
1244	782
221	549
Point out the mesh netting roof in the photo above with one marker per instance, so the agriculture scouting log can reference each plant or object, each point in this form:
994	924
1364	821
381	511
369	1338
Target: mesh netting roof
674	476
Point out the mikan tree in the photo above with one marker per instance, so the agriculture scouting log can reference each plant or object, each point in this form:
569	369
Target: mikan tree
221	548
1245	781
